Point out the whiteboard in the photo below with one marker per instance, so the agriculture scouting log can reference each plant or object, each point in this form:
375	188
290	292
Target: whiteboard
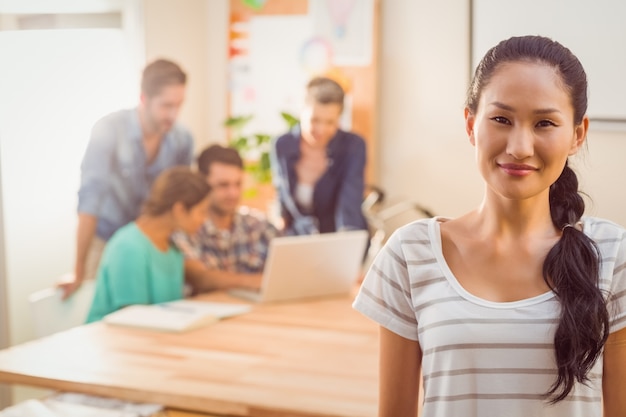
594	30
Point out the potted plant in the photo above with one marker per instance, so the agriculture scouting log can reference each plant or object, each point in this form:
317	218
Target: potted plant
254	148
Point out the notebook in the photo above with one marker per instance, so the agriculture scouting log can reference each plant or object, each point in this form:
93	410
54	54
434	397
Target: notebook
309	266
175	316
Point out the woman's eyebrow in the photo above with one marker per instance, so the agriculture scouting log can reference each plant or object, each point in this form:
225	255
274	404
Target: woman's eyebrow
503	106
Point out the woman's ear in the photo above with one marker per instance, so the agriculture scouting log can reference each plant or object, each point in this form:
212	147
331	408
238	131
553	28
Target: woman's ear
580	135
178	209
469	125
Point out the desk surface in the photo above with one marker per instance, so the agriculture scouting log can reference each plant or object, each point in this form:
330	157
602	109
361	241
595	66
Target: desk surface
313	358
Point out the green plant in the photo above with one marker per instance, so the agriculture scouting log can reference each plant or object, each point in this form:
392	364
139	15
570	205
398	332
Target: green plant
254	148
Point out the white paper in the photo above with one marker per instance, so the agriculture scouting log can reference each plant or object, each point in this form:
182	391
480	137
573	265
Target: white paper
175	316
83	407
219	310
112	406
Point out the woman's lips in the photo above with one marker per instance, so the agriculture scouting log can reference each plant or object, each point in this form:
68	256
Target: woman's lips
518	170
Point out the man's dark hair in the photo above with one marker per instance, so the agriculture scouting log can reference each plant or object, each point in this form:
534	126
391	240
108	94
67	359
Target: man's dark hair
218	153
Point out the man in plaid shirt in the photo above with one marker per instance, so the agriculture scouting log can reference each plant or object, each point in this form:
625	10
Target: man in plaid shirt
230	249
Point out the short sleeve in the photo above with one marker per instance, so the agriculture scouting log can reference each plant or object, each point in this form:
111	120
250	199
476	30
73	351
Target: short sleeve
385	295
610	239
186	152
96	166
617	298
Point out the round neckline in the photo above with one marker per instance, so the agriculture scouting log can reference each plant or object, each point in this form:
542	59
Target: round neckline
434	231
153	246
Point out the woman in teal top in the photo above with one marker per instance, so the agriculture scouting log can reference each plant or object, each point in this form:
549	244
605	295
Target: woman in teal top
139	264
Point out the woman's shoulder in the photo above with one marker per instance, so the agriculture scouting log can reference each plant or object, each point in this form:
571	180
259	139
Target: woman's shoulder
286	145
609	237
126	238
350	138
289	138
599	228
417	232
347	145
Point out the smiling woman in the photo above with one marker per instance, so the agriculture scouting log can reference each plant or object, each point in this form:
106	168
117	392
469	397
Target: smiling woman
519	306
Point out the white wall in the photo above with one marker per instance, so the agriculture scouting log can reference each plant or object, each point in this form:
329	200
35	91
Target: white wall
424	151
51	96
601	173
5	392
193	33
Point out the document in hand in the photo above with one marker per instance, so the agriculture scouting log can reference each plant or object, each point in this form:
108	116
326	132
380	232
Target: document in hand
176	316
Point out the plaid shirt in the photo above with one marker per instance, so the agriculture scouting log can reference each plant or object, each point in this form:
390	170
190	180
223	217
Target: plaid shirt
242	249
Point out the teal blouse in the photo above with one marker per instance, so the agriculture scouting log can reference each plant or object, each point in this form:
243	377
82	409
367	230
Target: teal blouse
134	271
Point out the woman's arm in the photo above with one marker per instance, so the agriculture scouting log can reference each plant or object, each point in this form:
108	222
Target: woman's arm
280	176
614	377
348	213
400	366
203	279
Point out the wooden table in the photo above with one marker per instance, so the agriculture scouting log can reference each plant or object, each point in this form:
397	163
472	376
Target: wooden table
311	358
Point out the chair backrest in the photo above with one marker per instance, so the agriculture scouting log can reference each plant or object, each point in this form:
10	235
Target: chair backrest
384	217
51	314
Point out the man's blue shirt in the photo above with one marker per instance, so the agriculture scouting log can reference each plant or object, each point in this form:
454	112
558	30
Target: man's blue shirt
115	175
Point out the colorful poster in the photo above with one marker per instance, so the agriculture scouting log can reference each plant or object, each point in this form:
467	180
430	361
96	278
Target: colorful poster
348	26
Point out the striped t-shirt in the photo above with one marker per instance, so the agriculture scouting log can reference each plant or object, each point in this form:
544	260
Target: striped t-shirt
483	358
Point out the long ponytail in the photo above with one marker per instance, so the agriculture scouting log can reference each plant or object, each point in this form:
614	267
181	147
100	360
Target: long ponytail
571	269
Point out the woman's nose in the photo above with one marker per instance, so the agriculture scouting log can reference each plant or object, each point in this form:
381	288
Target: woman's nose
520	144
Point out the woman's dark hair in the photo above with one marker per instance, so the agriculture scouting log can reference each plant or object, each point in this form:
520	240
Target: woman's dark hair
175	185
571	268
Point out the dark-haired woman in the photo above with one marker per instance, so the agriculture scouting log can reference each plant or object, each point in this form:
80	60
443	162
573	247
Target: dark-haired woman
139	264
517	308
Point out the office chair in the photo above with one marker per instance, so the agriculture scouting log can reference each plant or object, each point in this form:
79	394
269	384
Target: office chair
384	218
51	314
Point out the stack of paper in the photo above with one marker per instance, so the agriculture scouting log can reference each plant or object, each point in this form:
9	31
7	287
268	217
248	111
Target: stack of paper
79	405
177	316
114	405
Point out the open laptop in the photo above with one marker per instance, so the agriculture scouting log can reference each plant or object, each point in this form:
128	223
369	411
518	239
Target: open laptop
310	266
